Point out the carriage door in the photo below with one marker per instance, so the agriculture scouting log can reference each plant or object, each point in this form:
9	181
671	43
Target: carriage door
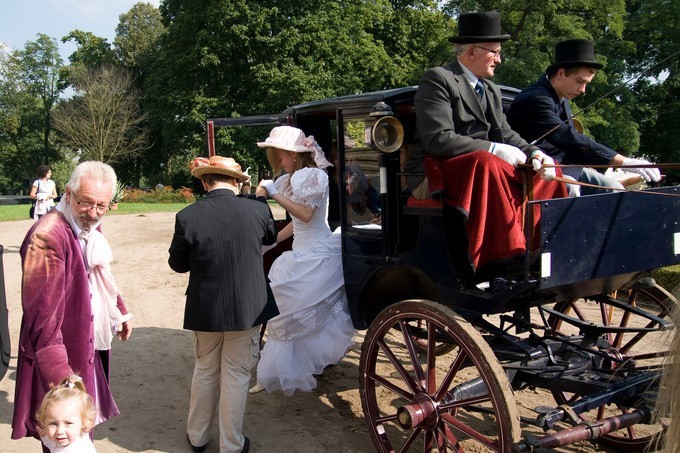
358	178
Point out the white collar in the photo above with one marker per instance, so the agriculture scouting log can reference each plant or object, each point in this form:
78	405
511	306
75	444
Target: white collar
471	78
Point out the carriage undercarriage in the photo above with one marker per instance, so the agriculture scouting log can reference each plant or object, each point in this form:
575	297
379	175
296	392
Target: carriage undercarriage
603	380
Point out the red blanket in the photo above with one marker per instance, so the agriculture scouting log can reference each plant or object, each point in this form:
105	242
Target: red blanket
490	192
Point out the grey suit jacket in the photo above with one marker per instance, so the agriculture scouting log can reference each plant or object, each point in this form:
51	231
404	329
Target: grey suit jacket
218	240
450	120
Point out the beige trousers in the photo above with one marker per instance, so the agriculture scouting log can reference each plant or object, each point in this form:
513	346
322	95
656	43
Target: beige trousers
224	361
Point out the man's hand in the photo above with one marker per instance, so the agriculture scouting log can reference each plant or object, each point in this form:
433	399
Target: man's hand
511	154
125	331
539	160
648	174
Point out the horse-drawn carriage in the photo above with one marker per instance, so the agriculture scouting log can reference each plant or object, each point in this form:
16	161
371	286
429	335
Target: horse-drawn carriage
444	365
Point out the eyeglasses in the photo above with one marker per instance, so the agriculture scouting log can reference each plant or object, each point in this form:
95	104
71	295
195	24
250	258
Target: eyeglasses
100	208
496	53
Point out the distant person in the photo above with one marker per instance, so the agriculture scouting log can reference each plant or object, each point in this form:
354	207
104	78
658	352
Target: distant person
219	241
43	191
66	417
71	306
542	111
460	123
314	329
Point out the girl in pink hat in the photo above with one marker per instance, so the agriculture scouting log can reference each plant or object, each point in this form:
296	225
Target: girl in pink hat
313	329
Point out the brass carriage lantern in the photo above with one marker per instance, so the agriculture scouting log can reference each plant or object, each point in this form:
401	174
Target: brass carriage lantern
387	132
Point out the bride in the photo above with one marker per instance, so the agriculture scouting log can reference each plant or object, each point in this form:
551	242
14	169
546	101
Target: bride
313	329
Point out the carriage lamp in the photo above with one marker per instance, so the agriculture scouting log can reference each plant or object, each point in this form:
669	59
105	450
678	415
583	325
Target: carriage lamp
387	132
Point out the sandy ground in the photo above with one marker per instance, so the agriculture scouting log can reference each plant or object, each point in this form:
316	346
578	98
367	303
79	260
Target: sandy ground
151	372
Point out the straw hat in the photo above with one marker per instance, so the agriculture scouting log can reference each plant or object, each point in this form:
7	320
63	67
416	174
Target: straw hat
217	165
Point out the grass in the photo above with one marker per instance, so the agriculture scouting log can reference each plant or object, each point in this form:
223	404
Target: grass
20	211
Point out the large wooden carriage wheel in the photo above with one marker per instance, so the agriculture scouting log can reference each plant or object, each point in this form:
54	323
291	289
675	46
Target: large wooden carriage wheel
428	402
645	348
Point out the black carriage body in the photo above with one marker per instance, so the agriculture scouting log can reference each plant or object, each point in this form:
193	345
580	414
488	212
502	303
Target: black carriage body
589	245
395	253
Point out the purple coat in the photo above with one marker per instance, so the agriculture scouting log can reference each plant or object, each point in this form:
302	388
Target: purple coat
57	331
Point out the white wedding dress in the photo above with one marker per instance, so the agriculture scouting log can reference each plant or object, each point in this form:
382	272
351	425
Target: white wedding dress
313	329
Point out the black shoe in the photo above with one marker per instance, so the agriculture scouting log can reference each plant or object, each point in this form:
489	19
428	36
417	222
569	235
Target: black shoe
195	448
246	445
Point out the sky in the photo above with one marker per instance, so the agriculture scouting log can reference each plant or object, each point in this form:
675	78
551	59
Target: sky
22	20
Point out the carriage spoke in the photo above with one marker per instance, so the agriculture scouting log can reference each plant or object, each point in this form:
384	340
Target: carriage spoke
468	431
410	347
413	386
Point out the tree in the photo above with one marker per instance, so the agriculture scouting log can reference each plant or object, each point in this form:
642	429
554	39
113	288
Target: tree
234	58
40	65
654	27
91	50
138	37
103	120
137	43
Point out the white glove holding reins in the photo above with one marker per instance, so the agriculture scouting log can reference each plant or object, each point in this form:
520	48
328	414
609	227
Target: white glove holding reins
539	160
511	154
648	174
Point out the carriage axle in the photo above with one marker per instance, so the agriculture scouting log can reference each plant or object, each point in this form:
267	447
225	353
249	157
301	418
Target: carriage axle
583	431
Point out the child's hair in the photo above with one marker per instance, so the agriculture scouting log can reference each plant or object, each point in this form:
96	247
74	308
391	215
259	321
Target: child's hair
71	387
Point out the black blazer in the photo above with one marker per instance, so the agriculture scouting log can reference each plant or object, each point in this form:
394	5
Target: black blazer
218	240
450	120
537	110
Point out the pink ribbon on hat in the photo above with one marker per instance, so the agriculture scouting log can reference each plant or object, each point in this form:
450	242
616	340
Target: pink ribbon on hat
317	153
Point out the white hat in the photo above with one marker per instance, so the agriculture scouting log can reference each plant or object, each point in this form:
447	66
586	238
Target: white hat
290	138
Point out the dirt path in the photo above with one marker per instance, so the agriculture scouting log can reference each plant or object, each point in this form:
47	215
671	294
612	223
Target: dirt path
151	373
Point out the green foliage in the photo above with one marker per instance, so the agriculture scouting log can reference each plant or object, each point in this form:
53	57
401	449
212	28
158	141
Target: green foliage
29	88
119	192
668	278
235	58
91	51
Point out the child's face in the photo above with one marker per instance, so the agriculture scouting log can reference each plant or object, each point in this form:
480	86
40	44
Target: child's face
63	422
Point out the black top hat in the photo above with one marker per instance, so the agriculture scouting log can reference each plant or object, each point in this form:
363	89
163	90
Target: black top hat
574	52
479	27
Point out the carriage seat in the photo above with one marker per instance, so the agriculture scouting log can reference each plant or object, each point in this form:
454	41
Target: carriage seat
431	206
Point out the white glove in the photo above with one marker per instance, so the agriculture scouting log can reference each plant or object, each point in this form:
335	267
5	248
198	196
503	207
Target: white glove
266	248
538	160
511	154
648	174
268	185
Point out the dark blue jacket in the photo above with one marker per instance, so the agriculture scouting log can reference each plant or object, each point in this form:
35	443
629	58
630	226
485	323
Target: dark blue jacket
537	109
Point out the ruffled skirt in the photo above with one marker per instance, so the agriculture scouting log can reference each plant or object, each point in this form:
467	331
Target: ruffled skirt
313	329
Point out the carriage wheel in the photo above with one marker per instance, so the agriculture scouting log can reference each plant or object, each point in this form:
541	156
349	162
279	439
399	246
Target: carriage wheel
645	348
427	402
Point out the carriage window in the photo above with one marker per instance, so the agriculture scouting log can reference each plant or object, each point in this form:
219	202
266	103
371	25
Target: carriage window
361	178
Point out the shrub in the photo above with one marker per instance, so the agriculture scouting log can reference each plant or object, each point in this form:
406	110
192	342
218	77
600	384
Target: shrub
160	195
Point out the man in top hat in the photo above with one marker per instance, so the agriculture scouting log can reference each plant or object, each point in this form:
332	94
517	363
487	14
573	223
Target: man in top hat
219	240
460	122
542	111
